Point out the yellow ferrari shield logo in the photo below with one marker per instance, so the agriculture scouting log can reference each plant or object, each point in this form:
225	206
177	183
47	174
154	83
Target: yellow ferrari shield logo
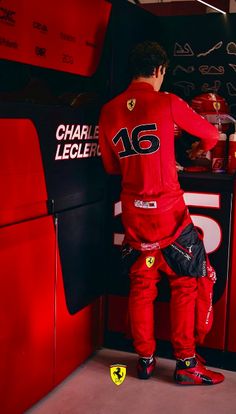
131	104
118	373
216	105
150	260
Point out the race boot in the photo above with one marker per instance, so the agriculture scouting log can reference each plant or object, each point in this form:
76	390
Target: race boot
191	371
145	367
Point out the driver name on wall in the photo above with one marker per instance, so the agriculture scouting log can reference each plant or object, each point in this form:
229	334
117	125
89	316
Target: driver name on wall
83	141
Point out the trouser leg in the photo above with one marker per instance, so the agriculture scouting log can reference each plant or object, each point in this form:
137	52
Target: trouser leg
191	311
204	308
143	292
191	278
184	291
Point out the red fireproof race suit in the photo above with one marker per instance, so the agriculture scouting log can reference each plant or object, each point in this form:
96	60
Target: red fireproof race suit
136	135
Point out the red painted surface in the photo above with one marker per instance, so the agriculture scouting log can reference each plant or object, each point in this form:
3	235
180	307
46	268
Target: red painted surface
67	35
22	182
27	262
231	330
40	342
78	335
39	347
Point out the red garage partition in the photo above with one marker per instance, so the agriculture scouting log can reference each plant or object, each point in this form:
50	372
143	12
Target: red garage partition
51	320
52	206
231	332
27	260
67	35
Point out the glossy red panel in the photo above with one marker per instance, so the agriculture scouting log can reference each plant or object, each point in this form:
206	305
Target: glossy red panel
77	335
65	35
231	330
27	262
22	182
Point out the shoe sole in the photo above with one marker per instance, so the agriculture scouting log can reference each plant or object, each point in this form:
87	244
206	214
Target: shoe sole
183	381
144	377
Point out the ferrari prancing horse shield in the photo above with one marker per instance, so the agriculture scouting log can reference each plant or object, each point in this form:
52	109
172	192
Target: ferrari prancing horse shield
131	104
150	260
118	373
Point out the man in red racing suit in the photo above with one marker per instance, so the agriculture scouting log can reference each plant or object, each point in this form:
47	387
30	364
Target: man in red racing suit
136	134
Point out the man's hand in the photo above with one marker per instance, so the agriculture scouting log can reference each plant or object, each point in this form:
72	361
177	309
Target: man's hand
196	151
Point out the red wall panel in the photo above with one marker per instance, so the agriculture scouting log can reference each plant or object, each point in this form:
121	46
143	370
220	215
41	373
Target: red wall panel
40	341
22	182
231	330
67	35
27	263
77	336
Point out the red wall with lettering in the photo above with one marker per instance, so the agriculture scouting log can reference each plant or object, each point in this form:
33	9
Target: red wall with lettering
64	35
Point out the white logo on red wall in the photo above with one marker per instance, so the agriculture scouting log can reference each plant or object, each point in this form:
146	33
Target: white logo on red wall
77	141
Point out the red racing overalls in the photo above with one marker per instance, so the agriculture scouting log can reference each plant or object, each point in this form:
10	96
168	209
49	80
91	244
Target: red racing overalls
136	135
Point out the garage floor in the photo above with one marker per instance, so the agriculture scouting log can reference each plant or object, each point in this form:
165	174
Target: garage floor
90	390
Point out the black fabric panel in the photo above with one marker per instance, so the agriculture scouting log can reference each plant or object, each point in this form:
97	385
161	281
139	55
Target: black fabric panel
81	246
186	255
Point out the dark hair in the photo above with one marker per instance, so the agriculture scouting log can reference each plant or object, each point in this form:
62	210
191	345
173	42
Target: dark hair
145	57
